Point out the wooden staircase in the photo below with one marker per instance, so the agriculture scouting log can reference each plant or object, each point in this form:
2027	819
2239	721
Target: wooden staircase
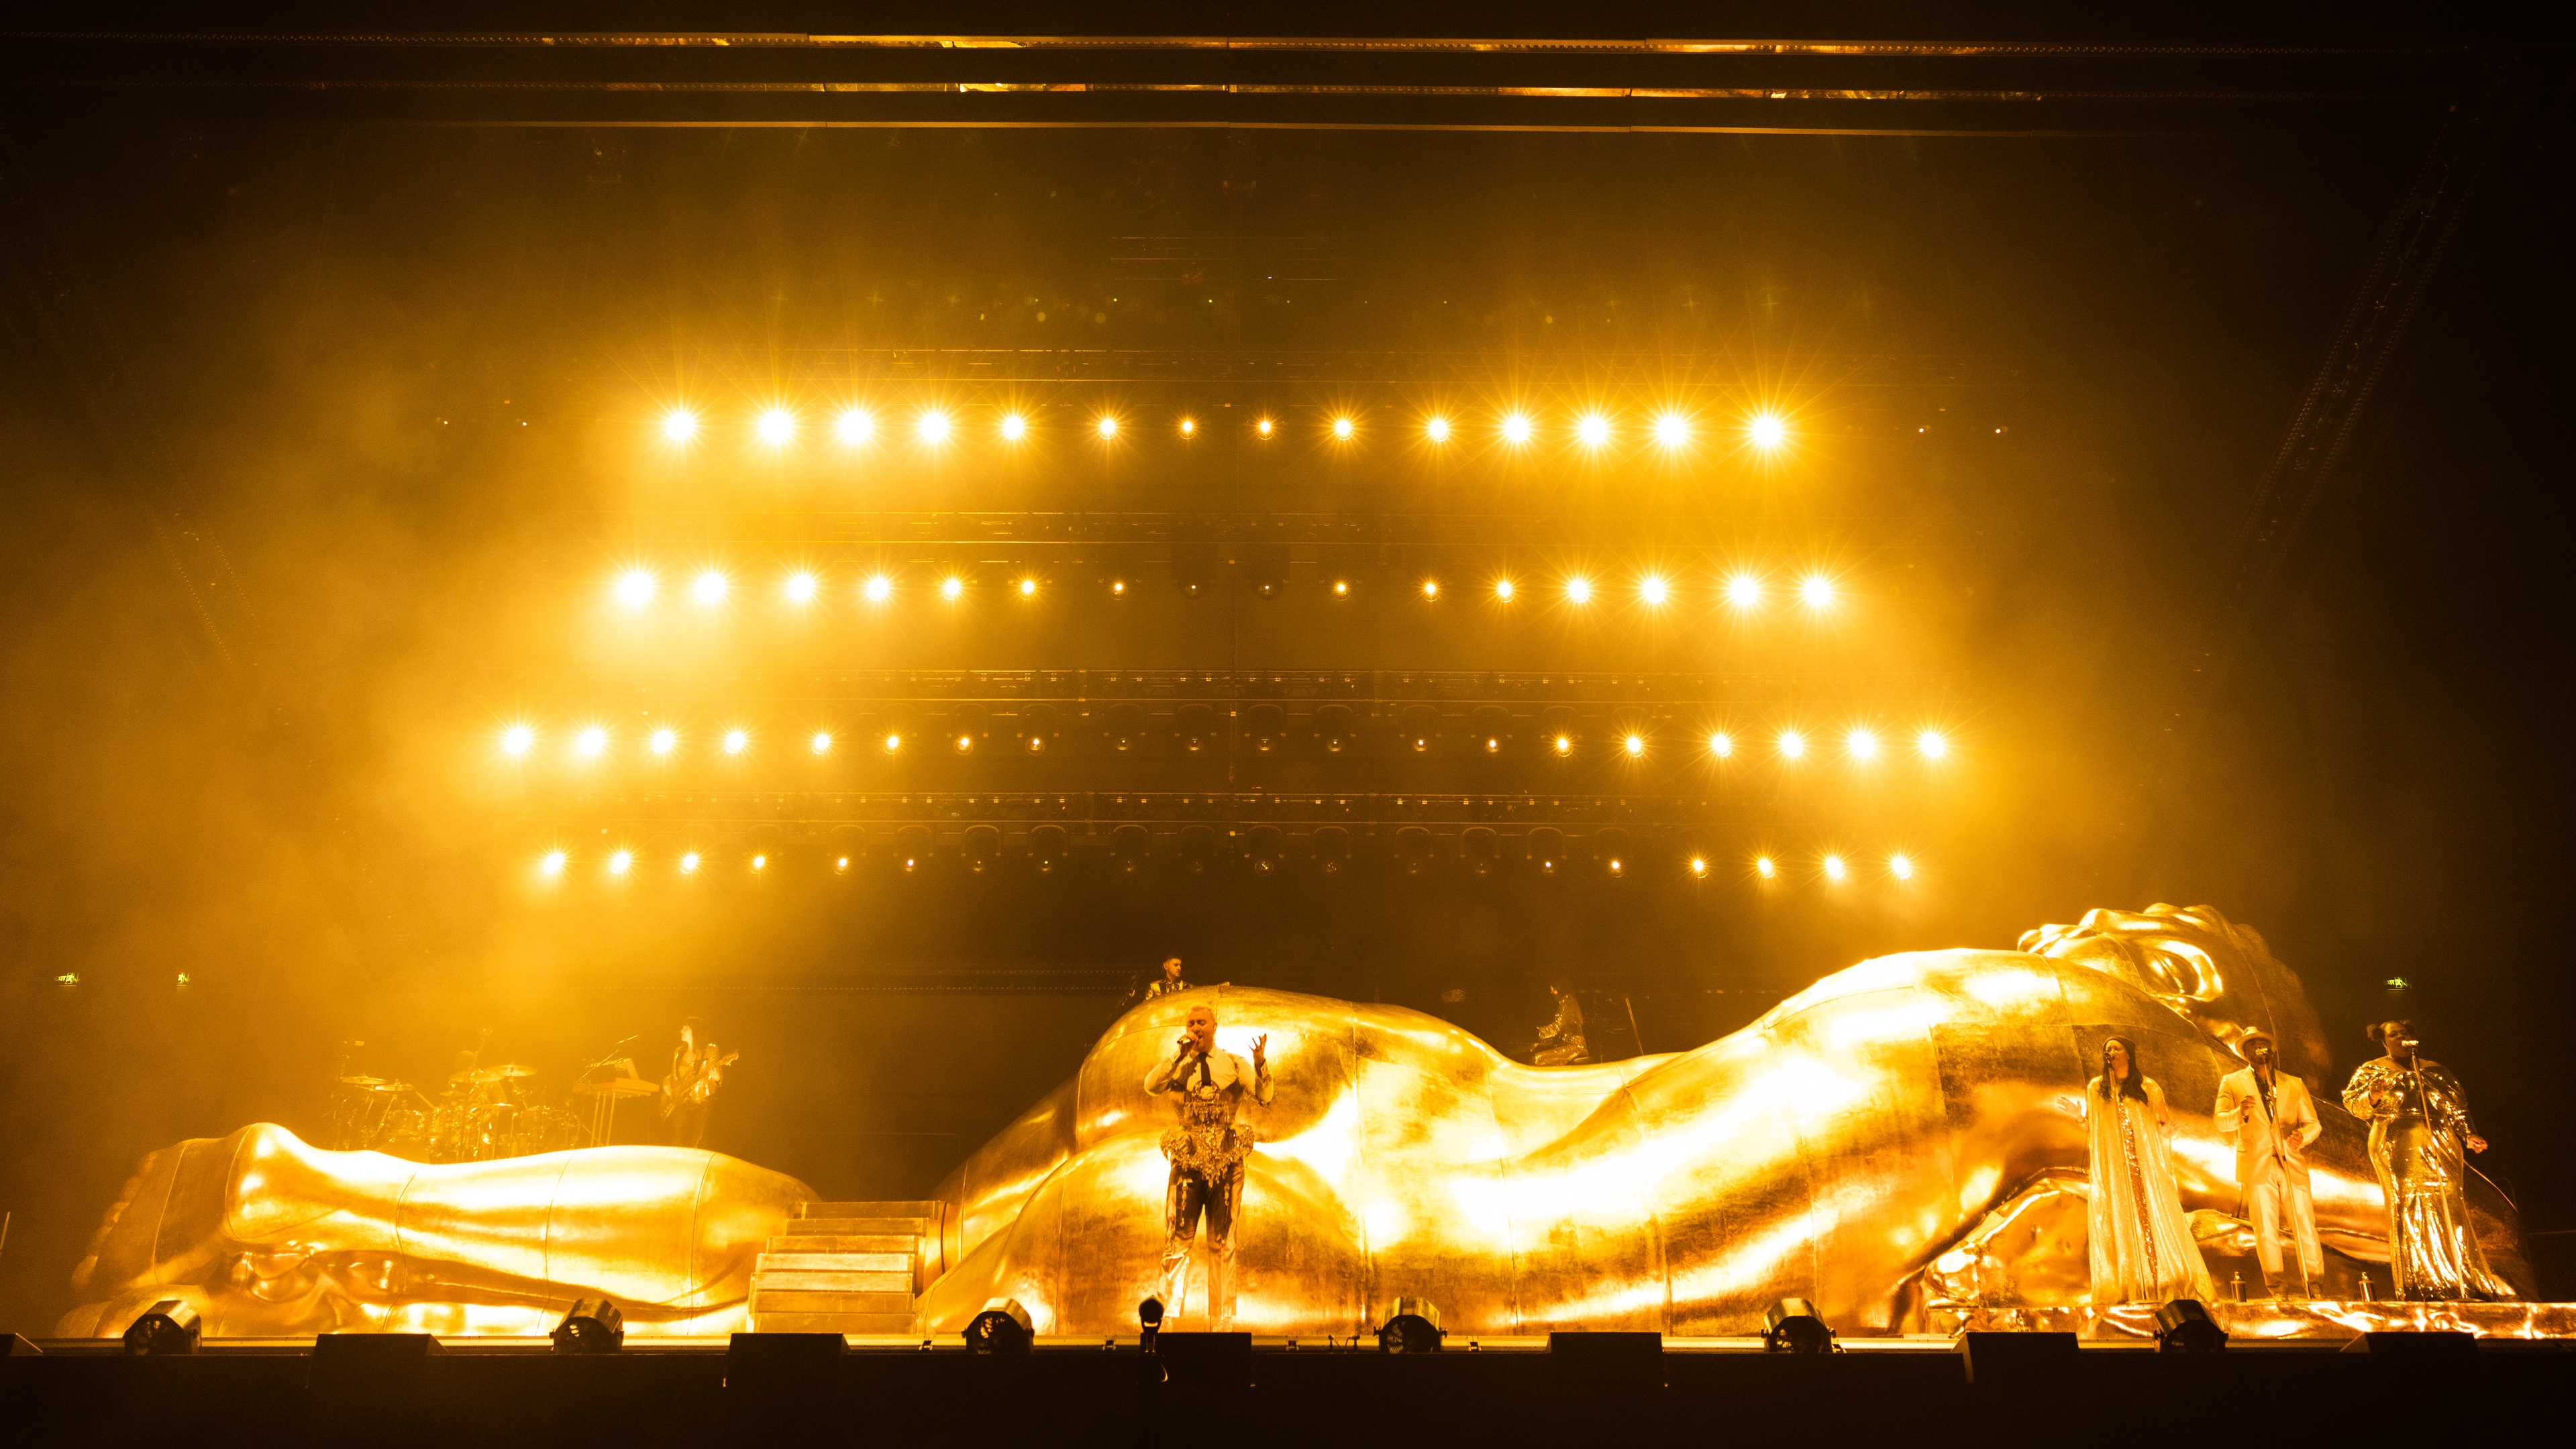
847	1267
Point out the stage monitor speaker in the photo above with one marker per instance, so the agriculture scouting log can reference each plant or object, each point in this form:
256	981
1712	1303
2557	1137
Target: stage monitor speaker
591	1325
1793	1325
1410	1325
374	1367
1003	1327
1616	1362
169	1326
2437	1345
2184	1326
2017	1360
1206	1362
760	1362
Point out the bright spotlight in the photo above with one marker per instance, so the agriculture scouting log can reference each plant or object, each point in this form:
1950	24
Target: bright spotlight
1744	591
1189	427
952	588
591	743
1014	427
1431	588
1516	427
1564	745
553	863
1931	745
621	862
1766	430
855	426
932	428
893	743
1817	591
635	587
822	742
965	744
1765	867
878	588
1792	744
842	865
709	588
1672	430
1263	427
760	862
1341	588
1107	427
737	741
1578	590
1652	589
689	863
1635	745
1861	745
1028	588
1900	867
517	740
1720	745
679	425
665	741
1593	429
777	425
1503	590
800	587
1343	428
1834	867
1437	430
1699	865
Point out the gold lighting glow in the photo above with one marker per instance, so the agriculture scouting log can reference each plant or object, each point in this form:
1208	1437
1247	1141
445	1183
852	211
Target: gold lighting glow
518	739
760	862
689	863
635	587
1744	591
1900	866
1015	427
709	586
1635	745
1564	745
1672	430
1766	430
1503	590
952	588
777	426
878	588
1341	588
965	744
1720	745
1578	590
1834	867
1431	588
1343	428
591	743
1817	591
1792	745
1189	428
1436	429
665	740
1652	590
1028	588
1593	429
842	865
855	426
1263	427
621	862
893	743
1861	744
737	741
679	425
1118	586
1765	867
1107	427
1931	745
822	742
552	863
1699	865
933	427
1516	427
801	586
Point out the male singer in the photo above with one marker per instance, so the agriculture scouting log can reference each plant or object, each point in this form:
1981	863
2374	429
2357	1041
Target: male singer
1206	1151
2271	1119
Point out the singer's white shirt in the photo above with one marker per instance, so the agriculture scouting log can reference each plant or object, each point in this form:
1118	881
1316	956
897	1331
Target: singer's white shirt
1226	1072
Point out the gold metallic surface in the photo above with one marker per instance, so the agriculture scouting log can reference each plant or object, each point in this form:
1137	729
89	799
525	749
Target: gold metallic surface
1902	1143
265	1235
2419	1120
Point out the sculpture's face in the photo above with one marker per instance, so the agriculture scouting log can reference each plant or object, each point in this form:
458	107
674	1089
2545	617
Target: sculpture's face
2219	974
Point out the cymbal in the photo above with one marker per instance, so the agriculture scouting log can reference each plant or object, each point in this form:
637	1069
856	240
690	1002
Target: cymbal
475	1078
511	1070
619	1087
365	1083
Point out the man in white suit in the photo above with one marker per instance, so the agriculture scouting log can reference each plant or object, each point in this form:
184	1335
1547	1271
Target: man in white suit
2271	1118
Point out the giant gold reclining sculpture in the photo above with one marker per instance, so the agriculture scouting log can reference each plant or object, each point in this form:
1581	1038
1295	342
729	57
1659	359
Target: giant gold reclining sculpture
1901	1144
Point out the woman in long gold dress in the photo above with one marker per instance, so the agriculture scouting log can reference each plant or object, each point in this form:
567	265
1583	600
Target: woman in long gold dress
2419	1121
2139	1241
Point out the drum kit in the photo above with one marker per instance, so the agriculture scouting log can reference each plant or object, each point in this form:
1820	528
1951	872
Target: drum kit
480	1115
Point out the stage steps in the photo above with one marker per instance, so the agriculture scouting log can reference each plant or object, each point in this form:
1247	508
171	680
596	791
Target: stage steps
847	1267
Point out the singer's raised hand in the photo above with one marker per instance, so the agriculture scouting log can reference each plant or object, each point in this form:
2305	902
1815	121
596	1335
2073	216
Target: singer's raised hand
1261	1051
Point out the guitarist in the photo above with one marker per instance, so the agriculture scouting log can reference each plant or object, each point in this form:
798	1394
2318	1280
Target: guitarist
697	1069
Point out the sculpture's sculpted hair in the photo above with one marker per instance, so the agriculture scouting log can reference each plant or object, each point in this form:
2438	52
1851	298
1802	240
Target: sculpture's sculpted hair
2219	974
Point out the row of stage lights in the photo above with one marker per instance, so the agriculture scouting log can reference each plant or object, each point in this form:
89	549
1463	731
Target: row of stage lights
780	426
711	587
1860	745
1831	867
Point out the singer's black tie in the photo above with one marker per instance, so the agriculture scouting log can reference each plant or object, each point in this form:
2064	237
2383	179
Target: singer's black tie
1207	1078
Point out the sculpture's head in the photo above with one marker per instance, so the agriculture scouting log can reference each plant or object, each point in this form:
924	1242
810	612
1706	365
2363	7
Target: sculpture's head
2192	958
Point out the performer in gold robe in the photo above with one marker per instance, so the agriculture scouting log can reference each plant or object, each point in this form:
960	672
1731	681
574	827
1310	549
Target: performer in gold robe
2139	1241
2419	1121
1206	1151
